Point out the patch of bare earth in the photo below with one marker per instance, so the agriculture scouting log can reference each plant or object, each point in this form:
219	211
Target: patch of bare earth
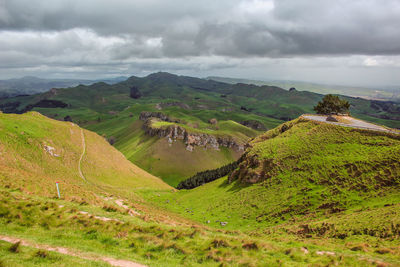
66	251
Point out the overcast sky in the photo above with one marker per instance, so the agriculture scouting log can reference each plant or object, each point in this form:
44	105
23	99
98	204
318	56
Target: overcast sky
355	42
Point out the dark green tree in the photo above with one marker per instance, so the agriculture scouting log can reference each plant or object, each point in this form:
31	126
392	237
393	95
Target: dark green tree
332	104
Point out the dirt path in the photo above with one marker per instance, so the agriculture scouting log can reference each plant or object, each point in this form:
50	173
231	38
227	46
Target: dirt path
352	122
67	251
83	153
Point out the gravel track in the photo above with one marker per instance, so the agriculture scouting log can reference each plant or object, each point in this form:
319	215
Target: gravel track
352	122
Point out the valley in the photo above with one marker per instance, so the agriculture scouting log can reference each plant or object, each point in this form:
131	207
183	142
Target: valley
226	113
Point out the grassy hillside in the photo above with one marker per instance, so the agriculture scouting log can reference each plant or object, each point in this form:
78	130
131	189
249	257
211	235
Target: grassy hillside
26	164
308	179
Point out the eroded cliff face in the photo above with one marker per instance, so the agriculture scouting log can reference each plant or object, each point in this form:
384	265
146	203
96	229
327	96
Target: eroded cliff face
176	132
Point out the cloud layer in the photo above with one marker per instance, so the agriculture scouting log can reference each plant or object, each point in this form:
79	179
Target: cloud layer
106	37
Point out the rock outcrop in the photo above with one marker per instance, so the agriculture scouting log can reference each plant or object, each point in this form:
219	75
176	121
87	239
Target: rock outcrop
252	170
332	118
176	132
145	115
213	121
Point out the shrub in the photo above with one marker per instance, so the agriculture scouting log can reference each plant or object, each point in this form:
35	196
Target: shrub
332	104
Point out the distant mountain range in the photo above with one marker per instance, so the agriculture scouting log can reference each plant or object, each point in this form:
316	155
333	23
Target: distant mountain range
384	93
30	85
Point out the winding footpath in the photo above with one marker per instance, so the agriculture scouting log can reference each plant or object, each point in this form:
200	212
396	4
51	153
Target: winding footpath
352	123
80	160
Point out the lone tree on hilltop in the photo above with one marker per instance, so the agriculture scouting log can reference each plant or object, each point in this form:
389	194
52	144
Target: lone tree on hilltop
332	104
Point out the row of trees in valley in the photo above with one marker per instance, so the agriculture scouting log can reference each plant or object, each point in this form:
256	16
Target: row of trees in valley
201	178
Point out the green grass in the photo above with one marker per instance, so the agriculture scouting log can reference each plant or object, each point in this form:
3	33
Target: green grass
23	159
153	243
268	222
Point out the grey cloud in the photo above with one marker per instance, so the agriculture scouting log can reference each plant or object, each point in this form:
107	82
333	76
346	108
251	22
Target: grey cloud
120	36
220	27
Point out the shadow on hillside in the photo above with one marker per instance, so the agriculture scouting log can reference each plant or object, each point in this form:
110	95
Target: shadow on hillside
236	186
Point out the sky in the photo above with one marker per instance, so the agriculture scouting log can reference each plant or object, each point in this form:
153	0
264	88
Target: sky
340	42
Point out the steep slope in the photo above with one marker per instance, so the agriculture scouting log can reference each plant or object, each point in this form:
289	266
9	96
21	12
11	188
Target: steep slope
36	151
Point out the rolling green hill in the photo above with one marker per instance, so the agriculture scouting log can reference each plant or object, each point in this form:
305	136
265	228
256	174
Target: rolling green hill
110	111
